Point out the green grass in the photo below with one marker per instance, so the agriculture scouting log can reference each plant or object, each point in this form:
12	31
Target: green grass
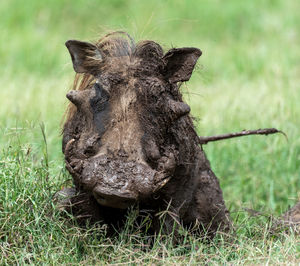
248	77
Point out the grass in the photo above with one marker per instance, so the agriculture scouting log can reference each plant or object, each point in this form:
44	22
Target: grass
248	77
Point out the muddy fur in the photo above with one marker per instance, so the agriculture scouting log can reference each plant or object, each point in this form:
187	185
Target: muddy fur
129	139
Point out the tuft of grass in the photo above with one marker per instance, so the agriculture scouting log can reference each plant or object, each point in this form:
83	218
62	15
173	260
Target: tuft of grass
247	78
33	231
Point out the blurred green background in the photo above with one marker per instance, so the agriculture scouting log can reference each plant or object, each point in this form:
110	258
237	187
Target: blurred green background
247	78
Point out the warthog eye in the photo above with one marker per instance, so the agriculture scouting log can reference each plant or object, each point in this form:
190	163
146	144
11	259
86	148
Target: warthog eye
98	102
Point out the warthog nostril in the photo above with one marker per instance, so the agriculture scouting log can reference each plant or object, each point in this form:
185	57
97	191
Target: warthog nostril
127	201
101	198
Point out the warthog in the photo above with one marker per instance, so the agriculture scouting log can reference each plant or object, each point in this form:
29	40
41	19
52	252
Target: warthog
129	138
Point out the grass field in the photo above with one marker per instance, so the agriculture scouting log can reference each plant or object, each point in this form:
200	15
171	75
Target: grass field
248	77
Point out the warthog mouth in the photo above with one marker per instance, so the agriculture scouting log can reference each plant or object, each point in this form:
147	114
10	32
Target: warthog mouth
116	181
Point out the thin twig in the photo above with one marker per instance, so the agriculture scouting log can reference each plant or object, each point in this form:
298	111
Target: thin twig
265	131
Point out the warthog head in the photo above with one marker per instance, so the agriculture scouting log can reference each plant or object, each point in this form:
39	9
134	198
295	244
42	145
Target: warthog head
118	140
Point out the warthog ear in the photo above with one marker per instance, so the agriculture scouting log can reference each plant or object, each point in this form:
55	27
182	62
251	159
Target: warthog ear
85	56
179	63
